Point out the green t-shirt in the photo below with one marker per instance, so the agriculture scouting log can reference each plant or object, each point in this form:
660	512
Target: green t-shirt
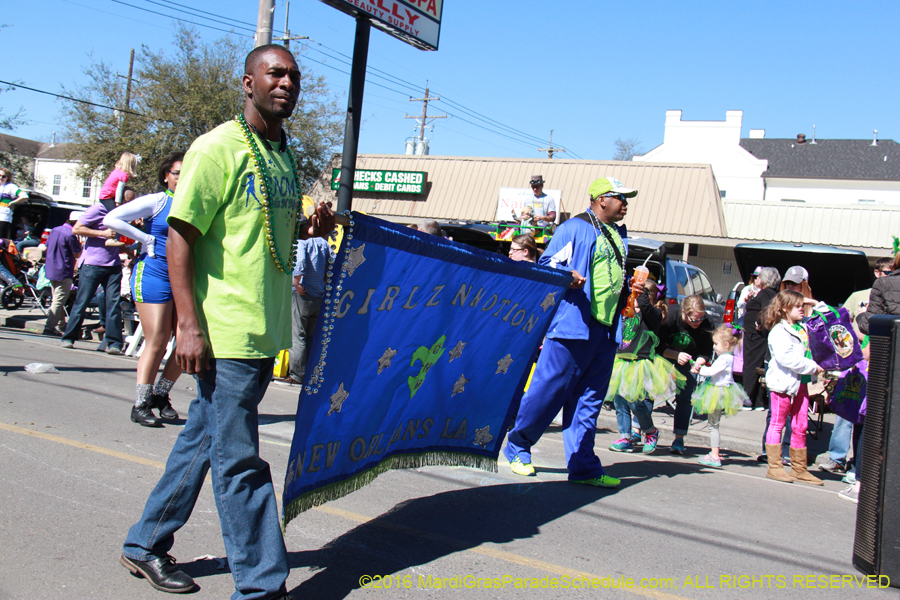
243	300
606	276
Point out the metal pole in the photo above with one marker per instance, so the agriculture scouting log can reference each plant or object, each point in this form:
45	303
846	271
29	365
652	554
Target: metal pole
287	32
264	23
354	114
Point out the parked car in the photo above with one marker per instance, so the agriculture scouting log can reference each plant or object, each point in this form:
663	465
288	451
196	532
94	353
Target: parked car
43	210
681	278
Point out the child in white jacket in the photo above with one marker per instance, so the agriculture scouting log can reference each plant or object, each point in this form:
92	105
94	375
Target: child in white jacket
790	369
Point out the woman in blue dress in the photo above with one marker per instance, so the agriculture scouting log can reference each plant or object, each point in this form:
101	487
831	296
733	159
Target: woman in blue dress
152	292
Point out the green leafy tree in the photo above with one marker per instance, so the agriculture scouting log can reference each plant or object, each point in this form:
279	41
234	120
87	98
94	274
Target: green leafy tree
179	96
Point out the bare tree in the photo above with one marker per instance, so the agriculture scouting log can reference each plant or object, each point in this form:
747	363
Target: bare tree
626	149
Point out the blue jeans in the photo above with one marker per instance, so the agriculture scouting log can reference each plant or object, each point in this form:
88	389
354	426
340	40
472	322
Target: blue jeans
7	277
222	436
90	277
641	411
572	375
839	444
683	406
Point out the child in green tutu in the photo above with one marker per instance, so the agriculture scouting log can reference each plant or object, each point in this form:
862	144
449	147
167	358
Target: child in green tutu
641	376
719	393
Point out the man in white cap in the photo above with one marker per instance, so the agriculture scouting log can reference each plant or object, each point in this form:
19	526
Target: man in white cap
63	249
576	362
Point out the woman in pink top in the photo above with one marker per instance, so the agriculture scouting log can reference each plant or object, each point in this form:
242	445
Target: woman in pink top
114	186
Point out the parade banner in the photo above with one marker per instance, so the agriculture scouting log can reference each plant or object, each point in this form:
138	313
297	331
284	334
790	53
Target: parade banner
420	355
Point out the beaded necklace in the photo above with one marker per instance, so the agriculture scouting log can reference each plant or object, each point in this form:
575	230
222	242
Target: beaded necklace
609	252
262	173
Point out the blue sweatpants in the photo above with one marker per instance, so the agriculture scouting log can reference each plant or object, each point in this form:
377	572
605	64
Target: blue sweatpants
572	375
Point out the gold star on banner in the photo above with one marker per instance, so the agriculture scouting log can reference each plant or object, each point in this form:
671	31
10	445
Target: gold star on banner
503	364
457	351
337	400
549	301
483	436
460	385
385	361
356	258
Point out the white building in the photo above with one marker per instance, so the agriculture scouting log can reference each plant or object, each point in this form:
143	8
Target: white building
717	143
842	193
53	172
57	176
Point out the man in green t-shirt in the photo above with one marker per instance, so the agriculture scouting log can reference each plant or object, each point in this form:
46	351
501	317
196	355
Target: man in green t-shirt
234	223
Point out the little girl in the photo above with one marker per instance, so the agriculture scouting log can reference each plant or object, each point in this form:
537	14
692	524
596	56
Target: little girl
719	394
640	376
790	369
114	186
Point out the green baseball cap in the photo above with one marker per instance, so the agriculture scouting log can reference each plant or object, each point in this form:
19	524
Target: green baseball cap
605	185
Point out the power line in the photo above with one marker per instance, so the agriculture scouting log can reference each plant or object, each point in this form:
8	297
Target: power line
25	87
531	139
178	5
490	124
178	19
234	23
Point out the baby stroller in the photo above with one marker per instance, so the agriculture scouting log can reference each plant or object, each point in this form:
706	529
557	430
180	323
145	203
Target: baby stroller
18	285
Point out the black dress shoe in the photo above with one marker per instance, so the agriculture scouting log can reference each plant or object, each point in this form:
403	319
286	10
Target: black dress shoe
161	574
164	405
142	415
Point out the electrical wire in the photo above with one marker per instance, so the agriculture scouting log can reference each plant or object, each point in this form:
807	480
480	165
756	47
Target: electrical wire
179	19
487	124
25	87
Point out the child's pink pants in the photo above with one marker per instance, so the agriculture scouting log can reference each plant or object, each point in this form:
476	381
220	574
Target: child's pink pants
783	405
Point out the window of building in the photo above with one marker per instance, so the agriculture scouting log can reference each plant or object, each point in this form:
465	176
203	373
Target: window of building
86	188
57	185
866	201
722	193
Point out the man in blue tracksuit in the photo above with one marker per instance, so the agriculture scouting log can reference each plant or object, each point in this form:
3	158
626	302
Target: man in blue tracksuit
575	365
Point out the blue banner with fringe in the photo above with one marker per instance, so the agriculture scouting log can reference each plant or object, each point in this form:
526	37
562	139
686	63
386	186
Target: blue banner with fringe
420	356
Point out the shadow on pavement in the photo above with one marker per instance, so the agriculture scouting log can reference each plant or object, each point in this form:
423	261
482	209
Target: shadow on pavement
422	530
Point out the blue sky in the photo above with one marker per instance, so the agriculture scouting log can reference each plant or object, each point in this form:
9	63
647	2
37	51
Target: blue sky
593	71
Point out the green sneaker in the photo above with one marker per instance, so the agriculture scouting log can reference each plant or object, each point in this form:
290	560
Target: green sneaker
604	481
520	468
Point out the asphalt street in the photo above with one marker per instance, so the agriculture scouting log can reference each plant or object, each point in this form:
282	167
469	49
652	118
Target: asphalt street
76	471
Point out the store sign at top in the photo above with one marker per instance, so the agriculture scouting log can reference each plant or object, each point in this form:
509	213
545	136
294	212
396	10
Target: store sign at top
416	22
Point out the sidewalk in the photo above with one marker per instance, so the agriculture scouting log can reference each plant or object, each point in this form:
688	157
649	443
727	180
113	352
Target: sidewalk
32	319
740	433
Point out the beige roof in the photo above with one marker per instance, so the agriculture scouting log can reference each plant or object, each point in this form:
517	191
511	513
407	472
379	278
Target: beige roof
849	226
680	201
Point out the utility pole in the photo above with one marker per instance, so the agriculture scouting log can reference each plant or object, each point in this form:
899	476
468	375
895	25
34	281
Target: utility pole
128	85
354	114
550	149
287	32
264	23
423	120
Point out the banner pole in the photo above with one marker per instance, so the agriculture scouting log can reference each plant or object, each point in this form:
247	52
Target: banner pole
354	114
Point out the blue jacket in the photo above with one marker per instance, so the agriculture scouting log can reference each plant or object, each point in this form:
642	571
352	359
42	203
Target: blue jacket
572	247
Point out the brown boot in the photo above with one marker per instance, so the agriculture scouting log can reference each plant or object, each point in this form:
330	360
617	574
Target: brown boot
798	468
776	469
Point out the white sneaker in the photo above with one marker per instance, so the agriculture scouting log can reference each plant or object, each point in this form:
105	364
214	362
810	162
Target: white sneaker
851	493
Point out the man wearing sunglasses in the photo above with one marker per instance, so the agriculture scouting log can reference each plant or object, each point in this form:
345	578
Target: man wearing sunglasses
576	362
543	207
